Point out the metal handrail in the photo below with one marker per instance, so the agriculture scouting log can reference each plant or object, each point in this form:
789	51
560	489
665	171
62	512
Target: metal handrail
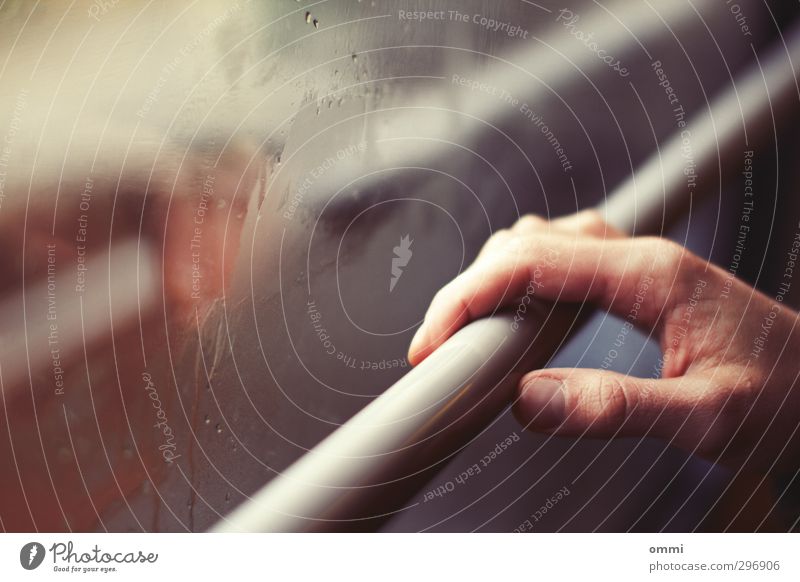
365	470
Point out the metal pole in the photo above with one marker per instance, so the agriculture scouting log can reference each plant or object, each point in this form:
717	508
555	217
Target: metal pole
365	470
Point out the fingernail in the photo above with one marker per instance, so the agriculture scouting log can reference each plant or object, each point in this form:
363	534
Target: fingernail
542	400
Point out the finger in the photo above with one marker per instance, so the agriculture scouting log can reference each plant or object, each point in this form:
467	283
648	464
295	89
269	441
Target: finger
585	222
531	224
615	274
589	223
604	404
499	239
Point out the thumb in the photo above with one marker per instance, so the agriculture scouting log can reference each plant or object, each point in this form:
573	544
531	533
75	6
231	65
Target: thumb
599	403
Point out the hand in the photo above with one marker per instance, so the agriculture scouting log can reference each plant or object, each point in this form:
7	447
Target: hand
728	388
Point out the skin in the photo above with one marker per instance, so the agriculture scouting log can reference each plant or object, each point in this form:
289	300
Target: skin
718	396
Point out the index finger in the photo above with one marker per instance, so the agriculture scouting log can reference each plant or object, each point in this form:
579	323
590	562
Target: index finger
611	273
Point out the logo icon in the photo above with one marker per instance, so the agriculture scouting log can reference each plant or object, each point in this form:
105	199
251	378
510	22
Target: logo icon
31	555
402	254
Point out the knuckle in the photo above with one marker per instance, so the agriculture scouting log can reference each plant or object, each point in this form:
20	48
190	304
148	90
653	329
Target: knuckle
612	400
529	222
498	239
677	259
501	234
535	246
590	221
519	247
672	264
665	256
